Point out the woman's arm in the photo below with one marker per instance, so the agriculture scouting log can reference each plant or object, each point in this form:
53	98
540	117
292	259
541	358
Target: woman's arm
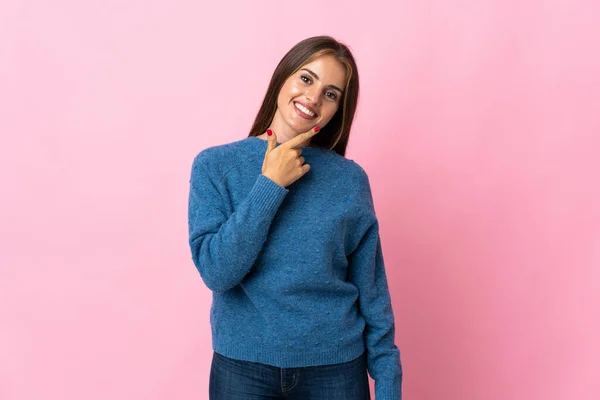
367	273
225	248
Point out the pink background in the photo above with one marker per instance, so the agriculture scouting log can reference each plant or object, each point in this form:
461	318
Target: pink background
478	124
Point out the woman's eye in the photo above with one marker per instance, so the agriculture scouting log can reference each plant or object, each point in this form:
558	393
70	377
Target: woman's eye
307	80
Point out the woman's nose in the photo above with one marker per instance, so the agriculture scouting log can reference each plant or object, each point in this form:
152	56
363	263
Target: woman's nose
312	97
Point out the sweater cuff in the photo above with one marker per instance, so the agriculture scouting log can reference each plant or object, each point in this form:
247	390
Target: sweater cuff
266	195
388	389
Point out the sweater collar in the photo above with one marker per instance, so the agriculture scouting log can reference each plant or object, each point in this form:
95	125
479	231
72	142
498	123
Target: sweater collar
261	144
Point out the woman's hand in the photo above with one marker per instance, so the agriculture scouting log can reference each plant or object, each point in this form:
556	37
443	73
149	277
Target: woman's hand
284	164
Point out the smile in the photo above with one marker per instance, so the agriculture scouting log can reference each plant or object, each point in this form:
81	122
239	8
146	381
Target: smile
304	112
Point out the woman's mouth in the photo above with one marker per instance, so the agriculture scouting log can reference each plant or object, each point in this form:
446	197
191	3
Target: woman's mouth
304	111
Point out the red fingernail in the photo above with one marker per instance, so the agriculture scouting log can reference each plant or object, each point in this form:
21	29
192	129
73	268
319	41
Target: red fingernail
317	128
269	132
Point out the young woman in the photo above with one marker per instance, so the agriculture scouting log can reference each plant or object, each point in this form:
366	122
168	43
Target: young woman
282	229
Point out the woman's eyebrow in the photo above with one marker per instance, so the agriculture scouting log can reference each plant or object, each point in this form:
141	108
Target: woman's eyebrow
317	77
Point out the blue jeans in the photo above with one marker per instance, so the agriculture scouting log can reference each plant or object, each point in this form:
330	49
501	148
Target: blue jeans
232	379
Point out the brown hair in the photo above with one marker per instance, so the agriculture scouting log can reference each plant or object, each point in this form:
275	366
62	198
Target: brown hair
334	136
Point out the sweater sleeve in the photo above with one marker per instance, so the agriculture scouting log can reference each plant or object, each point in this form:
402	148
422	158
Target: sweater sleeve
367	272
223	247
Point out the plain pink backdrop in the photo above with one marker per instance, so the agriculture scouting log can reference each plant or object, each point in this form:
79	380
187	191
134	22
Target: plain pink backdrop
478	124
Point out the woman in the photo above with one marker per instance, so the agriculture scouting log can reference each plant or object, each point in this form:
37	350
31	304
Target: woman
282	229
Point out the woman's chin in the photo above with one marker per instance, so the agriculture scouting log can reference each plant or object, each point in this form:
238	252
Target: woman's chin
300	126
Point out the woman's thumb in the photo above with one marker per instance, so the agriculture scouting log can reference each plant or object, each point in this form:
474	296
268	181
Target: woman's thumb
272	137
271	144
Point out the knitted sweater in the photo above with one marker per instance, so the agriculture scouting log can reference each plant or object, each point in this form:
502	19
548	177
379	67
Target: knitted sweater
297	273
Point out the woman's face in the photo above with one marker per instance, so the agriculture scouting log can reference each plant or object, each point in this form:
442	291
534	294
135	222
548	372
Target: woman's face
312	95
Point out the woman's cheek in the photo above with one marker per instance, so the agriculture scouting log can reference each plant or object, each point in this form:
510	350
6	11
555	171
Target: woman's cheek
295	90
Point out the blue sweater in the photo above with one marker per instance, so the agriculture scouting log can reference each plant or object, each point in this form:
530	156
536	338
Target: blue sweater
297	273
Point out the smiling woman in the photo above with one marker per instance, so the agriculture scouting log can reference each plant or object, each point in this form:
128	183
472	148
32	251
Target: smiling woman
301	307
315	84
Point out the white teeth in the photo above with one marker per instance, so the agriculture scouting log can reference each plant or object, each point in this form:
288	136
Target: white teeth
304	109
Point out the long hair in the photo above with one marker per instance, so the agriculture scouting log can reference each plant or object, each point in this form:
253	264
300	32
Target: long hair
334	136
